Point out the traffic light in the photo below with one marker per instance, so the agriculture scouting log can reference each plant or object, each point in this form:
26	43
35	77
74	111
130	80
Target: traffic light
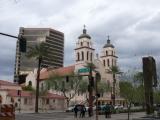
22	40
22	43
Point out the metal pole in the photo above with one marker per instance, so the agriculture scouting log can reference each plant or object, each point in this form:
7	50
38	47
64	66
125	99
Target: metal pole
20	102
8	35
90	93
96	100
114	92
37	85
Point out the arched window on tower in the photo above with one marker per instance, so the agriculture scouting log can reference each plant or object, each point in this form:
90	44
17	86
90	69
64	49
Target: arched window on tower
112	52
91	57
106	53
88	44
82	55
81	43
104	62
108	62
87	55
112	63
78	56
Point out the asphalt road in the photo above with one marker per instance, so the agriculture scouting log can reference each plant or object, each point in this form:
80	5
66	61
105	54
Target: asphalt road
70	116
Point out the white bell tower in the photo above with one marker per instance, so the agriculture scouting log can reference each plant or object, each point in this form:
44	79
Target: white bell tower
108	56
84	51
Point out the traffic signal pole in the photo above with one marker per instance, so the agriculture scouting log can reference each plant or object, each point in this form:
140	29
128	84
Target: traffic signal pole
90	93
8	35
22	41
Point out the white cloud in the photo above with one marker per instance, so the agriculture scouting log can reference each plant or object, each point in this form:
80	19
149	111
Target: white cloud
132	24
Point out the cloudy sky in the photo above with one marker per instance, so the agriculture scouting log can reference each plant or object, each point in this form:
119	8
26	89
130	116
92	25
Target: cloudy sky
133	26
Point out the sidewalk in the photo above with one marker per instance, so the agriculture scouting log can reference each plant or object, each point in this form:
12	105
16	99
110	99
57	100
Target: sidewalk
40	111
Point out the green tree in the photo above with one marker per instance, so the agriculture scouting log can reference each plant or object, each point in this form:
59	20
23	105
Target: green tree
68	88
138	78
103	87
28	88
38	52
127	91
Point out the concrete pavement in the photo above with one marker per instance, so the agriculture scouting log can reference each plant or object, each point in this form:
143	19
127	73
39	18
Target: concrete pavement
70	116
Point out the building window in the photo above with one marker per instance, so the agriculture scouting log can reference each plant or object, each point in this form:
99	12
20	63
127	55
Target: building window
82	55
106	53
112	52
108	62
81	43
91	56
42	87
78	56
54	100
47	101
16	104
112	63
25	101
30	83
87	55
48	86
104	62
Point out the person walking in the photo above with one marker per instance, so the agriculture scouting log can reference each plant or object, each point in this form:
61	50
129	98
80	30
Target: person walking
110	110
75	111
83	111
107	110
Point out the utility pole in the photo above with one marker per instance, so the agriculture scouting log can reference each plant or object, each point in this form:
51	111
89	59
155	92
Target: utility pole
114	89
91	82
97	78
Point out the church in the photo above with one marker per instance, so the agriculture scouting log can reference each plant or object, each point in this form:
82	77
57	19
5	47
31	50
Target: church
85	53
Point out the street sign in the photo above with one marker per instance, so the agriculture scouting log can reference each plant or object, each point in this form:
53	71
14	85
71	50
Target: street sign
83	70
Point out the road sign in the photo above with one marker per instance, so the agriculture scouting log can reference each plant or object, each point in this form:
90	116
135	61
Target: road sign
83	70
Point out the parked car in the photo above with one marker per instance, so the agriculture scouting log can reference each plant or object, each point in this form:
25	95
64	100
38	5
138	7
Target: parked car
118	107
70	108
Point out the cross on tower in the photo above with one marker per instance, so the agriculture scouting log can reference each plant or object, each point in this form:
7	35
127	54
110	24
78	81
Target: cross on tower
84	26
108	40
108	37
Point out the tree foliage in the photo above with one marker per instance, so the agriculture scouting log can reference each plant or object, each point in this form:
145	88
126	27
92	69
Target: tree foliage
68	88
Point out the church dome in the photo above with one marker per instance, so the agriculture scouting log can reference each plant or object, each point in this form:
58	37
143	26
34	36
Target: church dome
108	44
84	35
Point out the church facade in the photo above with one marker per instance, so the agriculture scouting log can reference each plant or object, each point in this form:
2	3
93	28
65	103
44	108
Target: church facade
85	53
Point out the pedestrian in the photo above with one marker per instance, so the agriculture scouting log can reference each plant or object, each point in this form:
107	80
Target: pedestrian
83	111
75	111
107	110
110	110
90	112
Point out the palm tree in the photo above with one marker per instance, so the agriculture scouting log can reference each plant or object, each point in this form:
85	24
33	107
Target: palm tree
91	67
37	52
114	70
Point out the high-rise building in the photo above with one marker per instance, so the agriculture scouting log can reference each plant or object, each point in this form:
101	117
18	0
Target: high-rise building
55	50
